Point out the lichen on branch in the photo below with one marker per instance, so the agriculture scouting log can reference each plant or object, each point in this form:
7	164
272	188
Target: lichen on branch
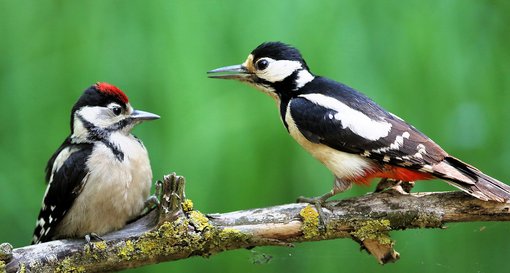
176	230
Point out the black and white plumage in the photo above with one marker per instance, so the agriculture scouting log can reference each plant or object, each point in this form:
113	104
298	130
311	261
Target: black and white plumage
100	177
349	133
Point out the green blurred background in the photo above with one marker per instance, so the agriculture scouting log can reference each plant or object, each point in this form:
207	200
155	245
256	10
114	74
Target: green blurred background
442	65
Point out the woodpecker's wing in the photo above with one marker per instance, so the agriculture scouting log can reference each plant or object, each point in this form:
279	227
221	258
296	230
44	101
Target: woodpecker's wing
335	115
66	174
350	122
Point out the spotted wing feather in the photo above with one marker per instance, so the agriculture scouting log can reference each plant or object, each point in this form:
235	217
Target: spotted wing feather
65	182
403	145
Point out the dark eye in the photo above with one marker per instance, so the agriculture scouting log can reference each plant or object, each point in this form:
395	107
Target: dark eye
116	110
262	64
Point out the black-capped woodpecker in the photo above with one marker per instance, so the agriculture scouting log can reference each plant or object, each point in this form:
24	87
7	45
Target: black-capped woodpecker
349	133
100	177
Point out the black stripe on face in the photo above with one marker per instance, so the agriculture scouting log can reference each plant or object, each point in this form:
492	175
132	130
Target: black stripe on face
119	125
102	135
288	84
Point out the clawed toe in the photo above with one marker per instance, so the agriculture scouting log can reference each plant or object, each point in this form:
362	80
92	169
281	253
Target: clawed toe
302	199
151	202
407	186
403	187
319	204
92	236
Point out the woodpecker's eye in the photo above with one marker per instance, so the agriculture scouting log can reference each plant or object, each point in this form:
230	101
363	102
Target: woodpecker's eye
261	64
116	110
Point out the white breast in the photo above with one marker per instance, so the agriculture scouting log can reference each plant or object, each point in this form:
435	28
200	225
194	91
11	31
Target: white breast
115	191
343	165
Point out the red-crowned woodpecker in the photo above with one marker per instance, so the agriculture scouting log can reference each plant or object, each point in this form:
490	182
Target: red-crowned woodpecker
349	133
100	177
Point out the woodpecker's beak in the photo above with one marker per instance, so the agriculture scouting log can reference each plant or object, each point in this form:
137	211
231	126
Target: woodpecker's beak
233	72
138	115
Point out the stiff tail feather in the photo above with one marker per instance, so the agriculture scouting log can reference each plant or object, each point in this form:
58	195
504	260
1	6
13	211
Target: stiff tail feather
472	180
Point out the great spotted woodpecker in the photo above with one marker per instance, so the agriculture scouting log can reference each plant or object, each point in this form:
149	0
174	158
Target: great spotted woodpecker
349	133
100	177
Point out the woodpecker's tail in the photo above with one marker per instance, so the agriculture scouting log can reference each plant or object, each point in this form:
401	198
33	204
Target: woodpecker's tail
471	180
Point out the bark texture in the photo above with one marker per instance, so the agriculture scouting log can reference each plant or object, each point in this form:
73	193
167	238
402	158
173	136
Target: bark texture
175	230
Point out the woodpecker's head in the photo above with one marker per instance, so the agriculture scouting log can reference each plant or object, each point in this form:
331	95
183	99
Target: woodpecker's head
103	109
273	67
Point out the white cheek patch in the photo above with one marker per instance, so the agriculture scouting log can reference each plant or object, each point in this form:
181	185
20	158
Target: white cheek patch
79	130
98	116
89	113
278	70
353	119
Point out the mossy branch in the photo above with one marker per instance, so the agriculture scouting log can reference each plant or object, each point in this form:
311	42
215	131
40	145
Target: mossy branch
176	231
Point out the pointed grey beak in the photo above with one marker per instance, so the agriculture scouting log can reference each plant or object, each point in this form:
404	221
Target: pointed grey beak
233	72
139	115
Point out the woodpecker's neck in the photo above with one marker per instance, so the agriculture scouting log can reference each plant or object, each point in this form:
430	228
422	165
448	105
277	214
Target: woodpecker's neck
291	84
86	132
291	88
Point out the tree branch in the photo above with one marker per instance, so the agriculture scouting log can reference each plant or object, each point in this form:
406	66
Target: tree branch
176	231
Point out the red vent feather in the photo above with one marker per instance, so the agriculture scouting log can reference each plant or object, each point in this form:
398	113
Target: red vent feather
112	91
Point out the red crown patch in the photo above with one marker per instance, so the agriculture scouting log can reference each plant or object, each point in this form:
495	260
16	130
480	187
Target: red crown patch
112	91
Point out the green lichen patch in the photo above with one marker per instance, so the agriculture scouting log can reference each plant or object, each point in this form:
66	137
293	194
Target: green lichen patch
176	237
127	250
198	220
374	230
68	266
310	219
158	241
169	238
186	236
101	245
226	237
232	234
2	266
187	205
96	250
147	246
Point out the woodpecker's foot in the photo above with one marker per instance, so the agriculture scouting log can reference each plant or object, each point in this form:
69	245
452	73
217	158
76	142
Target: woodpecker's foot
319	203
407	186
403	187
384	184
92	236
151	202
158	188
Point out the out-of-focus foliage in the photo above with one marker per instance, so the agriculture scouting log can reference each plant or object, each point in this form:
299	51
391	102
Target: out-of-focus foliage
442	65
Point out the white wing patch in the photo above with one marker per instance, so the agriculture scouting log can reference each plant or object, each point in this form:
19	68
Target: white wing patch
57	164
343	165
353	119
303	77
399	142
421	150
61	158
